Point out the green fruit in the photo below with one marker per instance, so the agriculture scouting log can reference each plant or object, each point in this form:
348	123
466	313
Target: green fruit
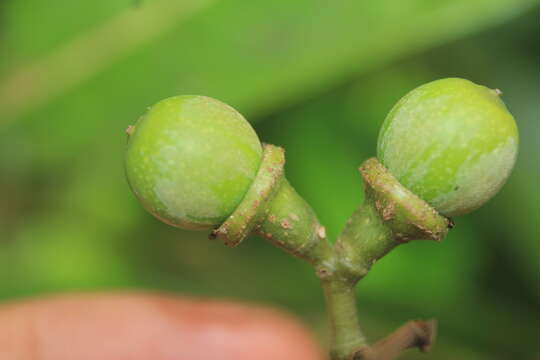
191	159
451	142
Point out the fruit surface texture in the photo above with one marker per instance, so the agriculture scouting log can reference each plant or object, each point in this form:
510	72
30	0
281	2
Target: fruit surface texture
451	142
191	159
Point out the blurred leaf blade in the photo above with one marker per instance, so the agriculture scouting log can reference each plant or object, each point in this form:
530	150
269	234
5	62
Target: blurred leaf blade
87	54
282	49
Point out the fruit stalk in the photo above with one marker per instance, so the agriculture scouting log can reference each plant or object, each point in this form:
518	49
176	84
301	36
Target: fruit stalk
272	209
389	216
291	224
346	334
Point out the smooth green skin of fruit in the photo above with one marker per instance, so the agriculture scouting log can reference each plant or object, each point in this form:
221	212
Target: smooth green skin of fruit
191	159
451	142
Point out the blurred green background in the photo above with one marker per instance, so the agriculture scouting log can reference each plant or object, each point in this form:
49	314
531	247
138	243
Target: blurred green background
314	76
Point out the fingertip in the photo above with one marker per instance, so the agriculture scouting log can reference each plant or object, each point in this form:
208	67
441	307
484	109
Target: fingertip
148	326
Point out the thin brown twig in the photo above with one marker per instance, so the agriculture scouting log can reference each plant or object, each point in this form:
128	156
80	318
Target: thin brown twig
413	334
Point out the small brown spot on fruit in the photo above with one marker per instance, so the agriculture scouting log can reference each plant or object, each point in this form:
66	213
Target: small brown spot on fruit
323	273
286	224
130	129
321	232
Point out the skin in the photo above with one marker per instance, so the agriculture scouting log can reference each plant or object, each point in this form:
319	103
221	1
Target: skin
191	159
137	326
451	142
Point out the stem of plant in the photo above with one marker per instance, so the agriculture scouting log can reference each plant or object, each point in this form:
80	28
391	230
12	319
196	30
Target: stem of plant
346	334
389	216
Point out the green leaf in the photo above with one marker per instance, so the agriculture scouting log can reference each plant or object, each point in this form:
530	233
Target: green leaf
257	56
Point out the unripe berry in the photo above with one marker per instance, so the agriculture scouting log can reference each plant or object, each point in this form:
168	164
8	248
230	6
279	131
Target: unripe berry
191	159
451	142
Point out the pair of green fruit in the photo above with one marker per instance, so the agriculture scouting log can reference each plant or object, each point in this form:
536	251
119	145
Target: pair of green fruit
192	159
